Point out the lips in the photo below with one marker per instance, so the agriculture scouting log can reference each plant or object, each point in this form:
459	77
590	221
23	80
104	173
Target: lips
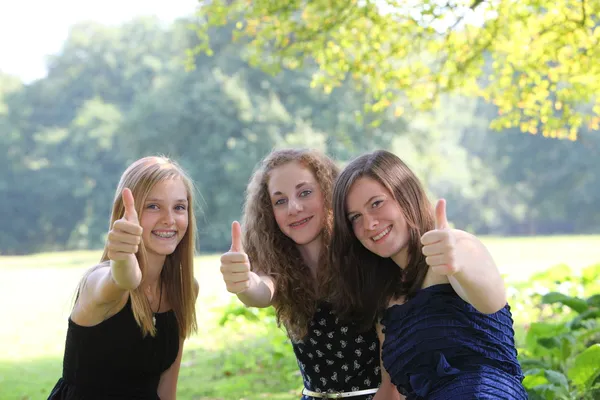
165	234
300	223
382	234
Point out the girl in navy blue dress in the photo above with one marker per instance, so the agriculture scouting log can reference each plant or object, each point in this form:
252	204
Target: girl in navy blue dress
447	328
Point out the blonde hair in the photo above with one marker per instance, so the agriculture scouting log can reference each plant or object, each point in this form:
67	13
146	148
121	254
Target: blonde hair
275	254
178	272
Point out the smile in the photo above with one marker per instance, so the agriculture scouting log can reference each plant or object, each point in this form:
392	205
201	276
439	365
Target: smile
301	222
382	234
165	234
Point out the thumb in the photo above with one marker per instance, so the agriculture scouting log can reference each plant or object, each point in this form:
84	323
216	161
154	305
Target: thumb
129	204
441	222
236	237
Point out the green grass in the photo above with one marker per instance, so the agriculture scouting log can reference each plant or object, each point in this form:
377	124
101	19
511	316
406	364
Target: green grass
232	362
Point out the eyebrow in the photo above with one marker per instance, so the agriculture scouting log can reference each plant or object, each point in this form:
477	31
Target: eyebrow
159	200
298	186
367	202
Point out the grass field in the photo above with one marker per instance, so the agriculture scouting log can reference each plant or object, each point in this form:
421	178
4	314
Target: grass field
233	362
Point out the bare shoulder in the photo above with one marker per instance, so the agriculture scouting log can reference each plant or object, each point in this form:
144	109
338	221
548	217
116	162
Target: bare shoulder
88	309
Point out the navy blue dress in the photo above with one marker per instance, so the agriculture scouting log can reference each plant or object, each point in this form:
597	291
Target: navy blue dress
439	347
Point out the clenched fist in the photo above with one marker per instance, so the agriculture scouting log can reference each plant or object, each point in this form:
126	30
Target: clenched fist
126	234
235	265
439	245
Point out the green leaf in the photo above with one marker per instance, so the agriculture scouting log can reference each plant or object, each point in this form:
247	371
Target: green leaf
591	273
534	378
594	300
586	367
557	378
575	323
549	343
574	303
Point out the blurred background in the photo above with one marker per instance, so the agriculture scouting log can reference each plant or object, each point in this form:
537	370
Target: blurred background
87	88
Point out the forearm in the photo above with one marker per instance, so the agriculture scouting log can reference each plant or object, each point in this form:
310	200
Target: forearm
125	273
478	276
387	391
260	293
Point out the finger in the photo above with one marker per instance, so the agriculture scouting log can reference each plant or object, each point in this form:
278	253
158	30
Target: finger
435	249
237	278
234	268
129	204
434	236
238	287
122	237
441	222
230	257
125	226
437	260
236	237
123	248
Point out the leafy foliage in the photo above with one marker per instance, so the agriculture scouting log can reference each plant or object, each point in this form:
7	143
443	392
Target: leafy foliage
535	60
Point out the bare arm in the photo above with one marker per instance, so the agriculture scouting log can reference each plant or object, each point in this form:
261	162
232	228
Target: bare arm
108	285
253	289
387	390
261	289
478	279
466	262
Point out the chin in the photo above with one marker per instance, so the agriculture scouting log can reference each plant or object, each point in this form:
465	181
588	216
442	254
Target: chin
304	239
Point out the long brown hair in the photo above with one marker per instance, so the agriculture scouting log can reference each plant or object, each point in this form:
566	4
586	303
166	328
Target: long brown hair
178	272
366	281
275	254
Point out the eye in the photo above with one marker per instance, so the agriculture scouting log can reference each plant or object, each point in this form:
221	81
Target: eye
152	206
353	217
305	193
376	203
180	207
279	202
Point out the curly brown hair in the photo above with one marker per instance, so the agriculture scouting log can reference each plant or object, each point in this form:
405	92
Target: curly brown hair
365	281
274	254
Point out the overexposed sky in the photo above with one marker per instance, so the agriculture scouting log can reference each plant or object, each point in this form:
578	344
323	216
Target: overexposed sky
32	29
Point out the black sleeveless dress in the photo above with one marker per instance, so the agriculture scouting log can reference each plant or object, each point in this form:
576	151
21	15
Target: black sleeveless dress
336	357
112	360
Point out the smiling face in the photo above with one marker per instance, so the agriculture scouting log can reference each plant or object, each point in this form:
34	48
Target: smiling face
297	202
164	217
377	220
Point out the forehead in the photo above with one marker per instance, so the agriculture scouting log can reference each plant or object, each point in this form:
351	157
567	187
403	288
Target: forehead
362	190
285	177
168	188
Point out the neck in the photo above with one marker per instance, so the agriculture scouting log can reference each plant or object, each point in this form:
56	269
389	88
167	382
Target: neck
310	253
153	270
401	258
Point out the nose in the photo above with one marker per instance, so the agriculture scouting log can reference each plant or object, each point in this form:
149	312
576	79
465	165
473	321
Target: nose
168	218
369	222
294	207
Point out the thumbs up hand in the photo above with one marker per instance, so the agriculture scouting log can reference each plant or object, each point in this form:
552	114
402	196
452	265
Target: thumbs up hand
439	245
235	265
126	234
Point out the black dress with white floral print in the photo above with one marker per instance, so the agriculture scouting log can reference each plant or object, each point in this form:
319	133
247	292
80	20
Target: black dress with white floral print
336	357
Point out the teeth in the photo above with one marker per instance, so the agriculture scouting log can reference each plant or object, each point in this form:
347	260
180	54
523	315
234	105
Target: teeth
300	222
166	235
382	234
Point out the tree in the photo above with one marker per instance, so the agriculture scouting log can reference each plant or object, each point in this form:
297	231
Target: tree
535	60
